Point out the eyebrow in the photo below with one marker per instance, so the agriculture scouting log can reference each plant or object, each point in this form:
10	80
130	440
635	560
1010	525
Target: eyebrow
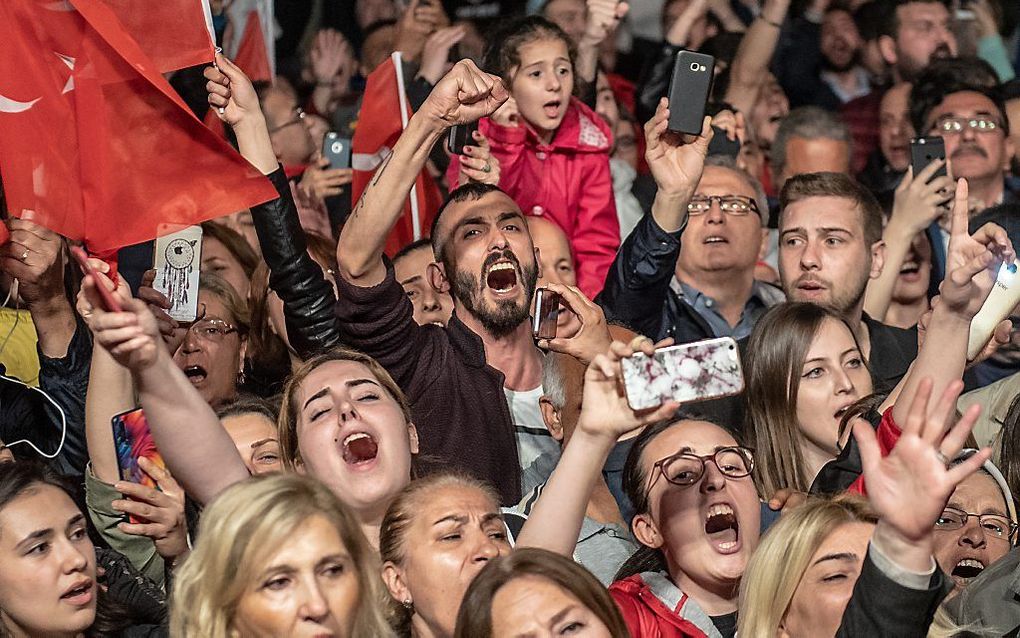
555	620
461	520
353	383
956	505
478	220
410	279
823	229
685	449
40	534
841	355
261	442
840	556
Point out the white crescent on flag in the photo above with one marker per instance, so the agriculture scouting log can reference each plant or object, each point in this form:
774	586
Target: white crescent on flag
7	105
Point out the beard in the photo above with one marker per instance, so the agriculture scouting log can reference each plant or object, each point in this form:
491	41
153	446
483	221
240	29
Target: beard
829	65
503	317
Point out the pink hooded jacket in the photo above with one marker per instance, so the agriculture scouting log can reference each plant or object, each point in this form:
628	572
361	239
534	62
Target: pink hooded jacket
566	181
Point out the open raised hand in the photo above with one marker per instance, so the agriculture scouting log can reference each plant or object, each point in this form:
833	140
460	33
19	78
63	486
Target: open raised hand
131	337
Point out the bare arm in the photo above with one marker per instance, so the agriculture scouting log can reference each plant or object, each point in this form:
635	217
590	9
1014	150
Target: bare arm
754	55
463	95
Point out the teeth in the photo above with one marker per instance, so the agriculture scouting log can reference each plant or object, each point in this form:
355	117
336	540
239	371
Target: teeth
728	545
721	509
355	437
970	562
501	266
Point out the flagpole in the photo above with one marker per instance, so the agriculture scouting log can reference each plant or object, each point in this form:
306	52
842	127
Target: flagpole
415	219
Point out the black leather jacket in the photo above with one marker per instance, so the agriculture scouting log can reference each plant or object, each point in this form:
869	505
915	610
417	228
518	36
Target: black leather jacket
308	299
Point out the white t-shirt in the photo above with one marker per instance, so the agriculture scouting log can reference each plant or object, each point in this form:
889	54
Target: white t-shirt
537	450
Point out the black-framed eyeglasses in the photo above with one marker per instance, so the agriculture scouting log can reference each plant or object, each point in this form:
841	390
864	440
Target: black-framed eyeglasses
687	468
737	205
955	125
299	118
993	524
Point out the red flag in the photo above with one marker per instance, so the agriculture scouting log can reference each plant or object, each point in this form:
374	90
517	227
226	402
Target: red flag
95	142
378	129
252	56
174	34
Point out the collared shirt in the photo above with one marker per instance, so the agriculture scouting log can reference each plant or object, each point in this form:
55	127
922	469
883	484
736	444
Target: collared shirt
760	300
863	85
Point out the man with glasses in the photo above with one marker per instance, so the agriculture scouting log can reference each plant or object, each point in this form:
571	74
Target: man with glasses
703	286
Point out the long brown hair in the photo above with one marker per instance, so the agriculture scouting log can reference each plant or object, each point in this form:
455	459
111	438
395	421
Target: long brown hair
776	352
474	620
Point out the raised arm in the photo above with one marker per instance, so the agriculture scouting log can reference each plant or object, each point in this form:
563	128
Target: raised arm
556	519
465	94
916	207
196	448
972	265
601	22
754	54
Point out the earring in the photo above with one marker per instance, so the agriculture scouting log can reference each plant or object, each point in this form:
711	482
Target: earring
240	377
408	604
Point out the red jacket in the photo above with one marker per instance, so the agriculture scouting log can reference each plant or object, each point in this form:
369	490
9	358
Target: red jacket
888	433
567	181
653	607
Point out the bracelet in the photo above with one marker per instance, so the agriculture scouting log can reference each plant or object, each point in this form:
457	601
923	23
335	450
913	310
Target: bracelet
770	22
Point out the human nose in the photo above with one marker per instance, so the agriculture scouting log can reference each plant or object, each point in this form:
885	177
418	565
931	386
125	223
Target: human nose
712	480
430	301
486	549
553	82
844	384
72	558
191	342
973	534
313	605
715	213
809	256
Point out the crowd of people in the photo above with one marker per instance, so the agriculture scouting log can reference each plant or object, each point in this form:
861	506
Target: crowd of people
357	442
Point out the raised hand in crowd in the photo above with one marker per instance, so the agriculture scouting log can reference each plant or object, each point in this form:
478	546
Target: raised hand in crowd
603	17
333	62
676	162
35	256
478	164
435	57
169	328
909	487
592	338
237	104
161	511
555	521
319	181
682	32
507	115
420	19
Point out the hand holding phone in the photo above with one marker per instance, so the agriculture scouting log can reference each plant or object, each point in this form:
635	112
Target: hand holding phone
924	151
685	373
461	135
337	150
108	301
547	310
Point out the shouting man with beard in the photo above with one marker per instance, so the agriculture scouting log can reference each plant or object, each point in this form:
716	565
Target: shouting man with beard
471	382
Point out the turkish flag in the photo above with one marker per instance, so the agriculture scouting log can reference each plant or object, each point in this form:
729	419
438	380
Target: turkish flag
252	56
174	34
95	142
254	51
379	126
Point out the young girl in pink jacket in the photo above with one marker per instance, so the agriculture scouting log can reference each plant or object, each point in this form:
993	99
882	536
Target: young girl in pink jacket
553	150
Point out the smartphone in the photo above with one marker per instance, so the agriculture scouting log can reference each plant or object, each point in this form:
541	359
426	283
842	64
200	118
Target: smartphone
132	441
723	145
689	89
109	302
461	135
685	373
337	150
178	260
924	151
547	311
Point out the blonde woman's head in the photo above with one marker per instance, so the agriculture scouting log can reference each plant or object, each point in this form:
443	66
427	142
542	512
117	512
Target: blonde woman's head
275	553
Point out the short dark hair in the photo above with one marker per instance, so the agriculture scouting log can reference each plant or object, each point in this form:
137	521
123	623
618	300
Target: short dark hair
826	184
887	16
470	191
424	242
940	81
249	404
503	52
809	123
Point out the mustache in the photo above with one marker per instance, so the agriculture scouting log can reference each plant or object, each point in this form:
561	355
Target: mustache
965	147
505	254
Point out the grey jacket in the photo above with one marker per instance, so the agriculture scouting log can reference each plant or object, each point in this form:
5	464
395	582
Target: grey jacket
990	606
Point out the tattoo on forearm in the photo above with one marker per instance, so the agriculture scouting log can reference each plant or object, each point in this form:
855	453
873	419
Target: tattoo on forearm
375	180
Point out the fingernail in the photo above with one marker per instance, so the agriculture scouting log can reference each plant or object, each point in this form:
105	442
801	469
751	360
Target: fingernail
468	151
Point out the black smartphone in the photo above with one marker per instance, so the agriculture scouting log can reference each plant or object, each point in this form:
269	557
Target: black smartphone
337	150
547	310
924	151
461	135
689	89
721	144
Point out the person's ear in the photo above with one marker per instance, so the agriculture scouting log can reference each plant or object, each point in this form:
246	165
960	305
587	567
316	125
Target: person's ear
436	273
646	531
887	47
763	249
1010	152
538	262
551	416
396	582
412	437
877	259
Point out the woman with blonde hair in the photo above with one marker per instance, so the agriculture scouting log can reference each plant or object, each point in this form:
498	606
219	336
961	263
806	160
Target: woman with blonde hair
279	555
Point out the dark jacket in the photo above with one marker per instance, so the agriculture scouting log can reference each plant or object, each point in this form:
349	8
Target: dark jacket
308	299
136	597
892	351
990	606
457	399
797	66
39	415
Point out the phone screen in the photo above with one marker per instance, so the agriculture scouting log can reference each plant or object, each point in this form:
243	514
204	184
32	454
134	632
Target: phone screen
547	310
133	440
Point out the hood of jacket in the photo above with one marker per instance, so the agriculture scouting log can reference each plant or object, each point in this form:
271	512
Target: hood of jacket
581	131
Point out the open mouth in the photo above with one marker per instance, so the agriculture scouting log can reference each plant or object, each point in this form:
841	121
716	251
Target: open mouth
359	448
501	277
552	109
715	239
196	374
722	528
838	414
967	570
80	594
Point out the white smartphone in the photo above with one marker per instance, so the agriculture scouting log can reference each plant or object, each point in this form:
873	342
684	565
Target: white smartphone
178	258
685	373
1005	295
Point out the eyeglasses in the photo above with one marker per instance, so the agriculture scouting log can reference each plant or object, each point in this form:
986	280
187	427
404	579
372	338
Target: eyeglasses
737	205
687	468
299	118
993	524
955	125
211	330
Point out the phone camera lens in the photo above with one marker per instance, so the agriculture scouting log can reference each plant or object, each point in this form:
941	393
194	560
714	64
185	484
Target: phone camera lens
336	147
694	66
